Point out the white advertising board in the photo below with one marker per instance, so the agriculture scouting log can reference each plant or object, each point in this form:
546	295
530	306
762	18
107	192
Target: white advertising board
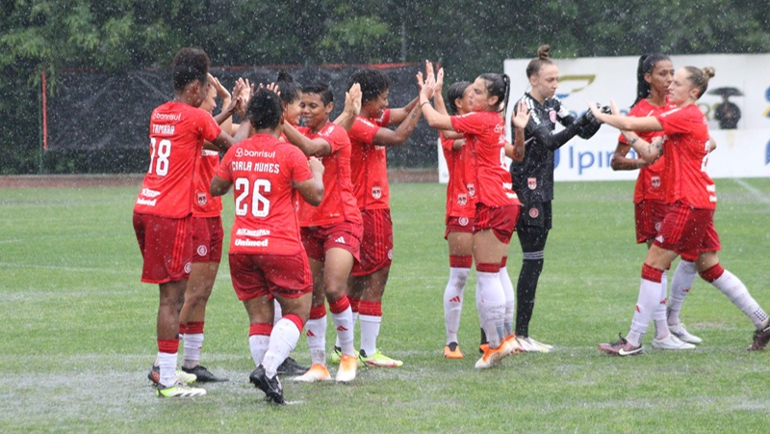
741	152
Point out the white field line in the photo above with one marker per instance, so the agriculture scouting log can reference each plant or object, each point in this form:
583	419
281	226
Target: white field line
758	194
71	269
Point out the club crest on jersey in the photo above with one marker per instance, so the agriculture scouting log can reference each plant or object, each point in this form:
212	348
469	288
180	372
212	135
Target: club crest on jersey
552	116
202	250
462	199
463	221
376	192
532	183
202	198
655	180
534	213
471	189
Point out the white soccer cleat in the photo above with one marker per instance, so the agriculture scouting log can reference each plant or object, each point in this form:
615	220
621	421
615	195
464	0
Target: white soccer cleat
681	332
671	342
529	345
493	356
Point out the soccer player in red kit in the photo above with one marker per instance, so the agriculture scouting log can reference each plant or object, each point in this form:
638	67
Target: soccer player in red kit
162	211
688	227
497	206
331	232
267	259
370	138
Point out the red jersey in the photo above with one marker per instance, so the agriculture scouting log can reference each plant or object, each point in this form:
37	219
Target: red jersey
368	163
686	145
338	204
648	183
206	205
262	170
460	190
177	132
484	132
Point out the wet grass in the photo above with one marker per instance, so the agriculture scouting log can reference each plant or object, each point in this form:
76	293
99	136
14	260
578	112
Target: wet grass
78	331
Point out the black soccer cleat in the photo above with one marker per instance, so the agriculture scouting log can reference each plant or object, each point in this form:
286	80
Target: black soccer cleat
761	337
204	375
291	368
271	386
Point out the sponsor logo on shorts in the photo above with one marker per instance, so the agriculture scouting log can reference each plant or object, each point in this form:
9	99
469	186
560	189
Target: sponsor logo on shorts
532	183
202	250
534	213
390	254
376	192
659	238
655	181
463	221
462	199
202	198
188	267
340	240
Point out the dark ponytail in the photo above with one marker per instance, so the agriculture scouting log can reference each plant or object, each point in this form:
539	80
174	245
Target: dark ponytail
498	85
457	90
647	63
290	89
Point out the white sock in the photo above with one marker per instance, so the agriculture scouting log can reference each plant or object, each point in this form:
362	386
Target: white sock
453	301
315	330
739	295
283	339
354	316
192	349
510	301
370	329
684	276
646	303
490	301
343	322
659	315
277	312
258	346
167	365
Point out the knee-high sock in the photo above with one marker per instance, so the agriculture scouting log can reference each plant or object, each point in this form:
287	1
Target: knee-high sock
259	338
736	291
531	267
316	335
370	318
168	349
510	299
646	303
659	316
453	300
490	302
283	339
342	316
684	276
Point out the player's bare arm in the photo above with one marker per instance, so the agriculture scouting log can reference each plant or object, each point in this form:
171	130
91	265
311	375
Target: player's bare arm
312	190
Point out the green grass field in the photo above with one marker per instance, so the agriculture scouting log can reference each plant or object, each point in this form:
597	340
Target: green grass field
79	330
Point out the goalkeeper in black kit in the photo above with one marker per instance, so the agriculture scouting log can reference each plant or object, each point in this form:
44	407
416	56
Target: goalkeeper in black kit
533	182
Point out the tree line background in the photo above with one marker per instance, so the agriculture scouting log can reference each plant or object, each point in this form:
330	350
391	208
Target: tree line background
468	37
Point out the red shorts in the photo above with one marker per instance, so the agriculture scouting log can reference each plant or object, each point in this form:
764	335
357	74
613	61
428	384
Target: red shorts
458	224
649	215
207	239
502	220
267	275
166	246
376	242
688	231
319	239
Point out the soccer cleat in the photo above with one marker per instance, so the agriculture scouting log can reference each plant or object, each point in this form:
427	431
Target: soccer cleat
620	348
761	337
203	375
546	347
452	351
178	390
271	386
513	343
493	356
671	342
182	376
291	368
680	332
529	345
336	355
347	371
379	360
315	374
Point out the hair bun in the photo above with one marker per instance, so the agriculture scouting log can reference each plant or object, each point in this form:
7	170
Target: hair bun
283	75
544	52
709	71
